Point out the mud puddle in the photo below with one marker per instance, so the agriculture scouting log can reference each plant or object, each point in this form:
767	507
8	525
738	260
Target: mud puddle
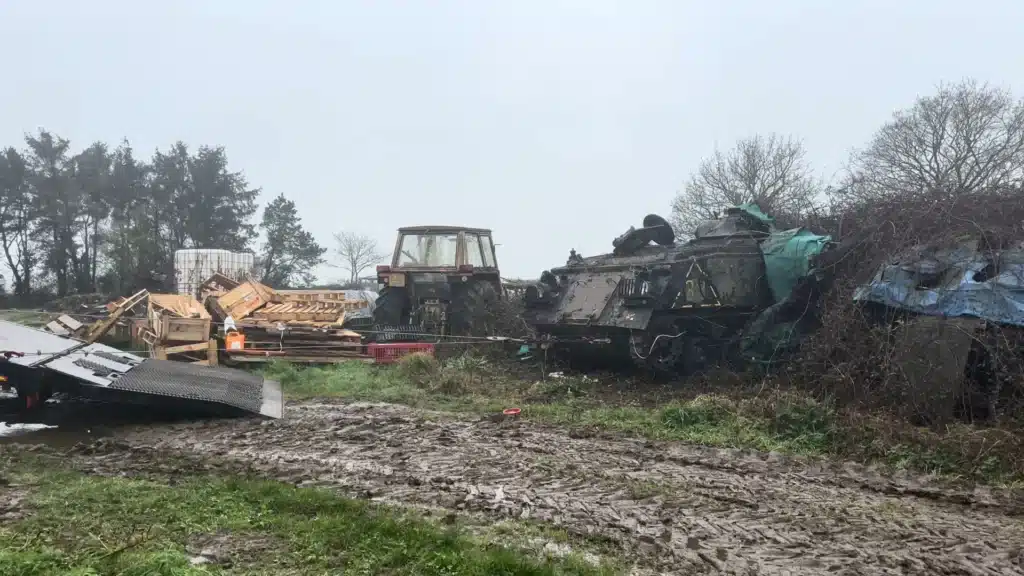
19	429
680	509
63	423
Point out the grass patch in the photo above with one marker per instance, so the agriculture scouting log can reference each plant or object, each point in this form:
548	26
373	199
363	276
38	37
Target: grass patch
774	421
86	525
33	318
708	419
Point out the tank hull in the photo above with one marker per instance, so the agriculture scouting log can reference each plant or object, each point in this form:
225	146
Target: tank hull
673	308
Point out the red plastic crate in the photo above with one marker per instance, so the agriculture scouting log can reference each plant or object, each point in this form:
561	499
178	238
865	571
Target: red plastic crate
389	353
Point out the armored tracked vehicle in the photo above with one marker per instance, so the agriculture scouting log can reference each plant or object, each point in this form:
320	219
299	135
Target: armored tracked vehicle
674	308
441	281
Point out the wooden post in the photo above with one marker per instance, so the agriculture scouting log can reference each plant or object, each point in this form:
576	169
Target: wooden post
211	353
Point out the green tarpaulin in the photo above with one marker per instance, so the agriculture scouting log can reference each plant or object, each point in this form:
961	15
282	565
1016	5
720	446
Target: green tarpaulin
787	257
755	211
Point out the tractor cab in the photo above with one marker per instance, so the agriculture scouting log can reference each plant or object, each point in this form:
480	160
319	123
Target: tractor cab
443	247
439	279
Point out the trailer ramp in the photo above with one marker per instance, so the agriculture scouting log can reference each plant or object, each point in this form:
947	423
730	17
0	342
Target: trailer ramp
100	371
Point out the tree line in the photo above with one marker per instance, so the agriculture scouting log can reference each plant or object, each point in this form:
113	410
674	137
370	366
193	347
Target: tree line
106	220
965	139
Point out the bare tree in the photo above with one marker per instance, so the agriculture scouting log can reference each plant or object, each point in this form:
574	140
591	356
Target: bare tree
769	171
967	137
357	252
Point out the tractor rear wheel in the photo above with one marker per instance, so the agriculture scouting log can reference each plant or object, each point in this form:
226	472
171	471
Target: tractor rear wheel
388	308
471	310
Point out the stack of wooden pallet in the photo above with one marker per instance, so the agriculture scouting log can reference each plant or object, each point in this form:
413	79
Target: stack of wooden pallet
235	322
178	328
293	325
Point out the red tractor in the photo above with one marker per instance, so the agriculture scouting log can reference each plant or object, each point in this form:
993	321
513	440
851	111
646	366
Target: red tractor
442	280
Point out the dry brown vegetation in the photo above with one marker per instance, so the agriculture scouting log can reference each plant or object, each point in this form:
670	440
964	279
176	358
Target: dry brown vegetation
853	358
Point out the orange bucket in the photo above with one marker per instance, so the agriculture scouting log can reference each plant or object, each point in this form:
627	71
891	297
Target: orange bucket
234	341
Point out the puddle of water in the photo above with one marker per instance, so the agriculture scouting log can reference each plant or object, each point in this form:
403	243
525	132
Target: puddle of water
64	424
56	425
53	436
7	430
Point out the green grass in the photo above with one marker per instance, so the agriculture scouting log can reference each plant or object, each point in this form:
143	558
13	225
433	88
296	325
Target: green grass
783	422
87	525
804	426
34	318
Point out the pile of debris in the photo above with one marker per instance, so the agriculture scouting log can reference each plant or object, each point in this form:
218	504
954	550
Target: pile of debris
233	322
177	327
258	323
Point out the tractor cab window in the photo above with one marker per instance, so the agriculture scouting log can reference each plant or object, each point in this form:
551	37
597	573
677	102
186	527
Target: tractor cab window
474	256
427	250
488	250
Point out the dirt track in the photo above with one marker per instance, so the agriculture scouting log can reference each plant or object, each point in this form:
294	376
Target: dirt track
675	508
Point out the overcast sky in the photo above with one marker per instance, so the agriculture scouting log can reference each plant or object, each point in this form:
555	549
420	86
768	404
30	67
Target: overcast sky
557	124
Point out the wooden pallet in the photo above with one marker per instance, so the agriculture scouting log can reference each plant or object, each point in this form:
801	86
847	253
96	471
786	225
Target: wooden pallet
189	352
178	318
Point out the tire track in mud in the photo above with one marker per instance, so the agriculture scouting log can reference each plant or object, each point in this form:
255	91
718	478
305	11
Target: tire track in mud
679	508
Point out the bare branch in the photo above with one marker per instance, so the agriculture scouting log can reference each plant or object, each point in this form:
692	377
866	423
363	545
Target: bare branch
769	171
357	252
964	139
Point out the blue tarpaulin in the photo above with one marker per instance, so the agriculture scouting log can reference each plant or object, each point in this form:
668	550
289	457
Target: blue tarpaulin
961	281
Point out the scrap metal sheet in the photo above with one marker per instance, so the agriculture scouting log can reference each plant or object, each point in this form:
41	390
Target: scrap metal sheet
227	386
36	345
103	366
96	364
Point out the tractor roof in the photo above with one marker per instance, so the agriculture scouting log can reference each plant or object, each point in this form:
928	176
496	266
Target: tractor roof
441	230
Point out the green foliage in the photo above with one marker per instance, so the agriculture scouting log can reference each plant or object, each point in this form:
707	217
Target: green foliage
92	525
289	253
101	219
804	419
16	215
211	207
706	411
418	367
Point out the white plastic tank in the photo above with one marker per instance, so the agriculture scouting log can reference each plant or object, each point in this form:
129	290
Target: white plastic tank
193	266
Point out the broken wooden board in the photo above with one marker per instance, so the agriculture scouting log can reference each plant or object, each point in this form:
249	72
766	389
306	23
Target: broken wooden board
242	300
120	307
329	312
216	286
140	335
177	318
325	296
220	282
180	305
204	353
296	331
64	325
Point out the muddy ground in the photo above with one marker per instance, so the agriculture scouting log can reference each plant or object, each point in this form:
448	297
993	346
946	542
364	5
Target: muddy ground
673	508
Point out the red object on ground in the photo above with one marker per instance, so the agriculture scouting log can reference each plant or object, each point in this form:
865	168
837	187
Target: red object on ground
511	411
388	353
